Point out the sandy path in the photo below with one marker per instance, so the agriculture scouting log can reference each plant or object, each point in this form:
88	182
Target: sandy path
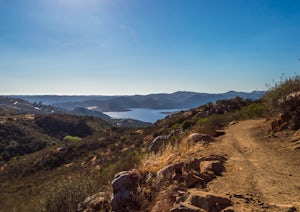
258	177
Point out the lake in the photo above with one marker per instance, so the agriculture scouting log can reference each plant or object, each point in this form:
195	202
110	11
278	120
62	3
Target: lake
143	114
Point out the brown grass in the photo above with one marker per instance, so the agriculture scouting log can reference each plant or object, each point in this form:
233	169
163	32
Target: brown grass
172	153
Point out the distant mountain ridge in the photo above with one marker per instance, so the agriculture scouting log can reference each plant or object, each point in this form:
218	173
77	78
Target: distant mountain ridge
177	100
17	106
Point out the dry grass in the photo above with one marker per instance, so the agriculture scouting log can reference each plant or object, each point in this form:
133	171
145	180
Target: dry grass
183	150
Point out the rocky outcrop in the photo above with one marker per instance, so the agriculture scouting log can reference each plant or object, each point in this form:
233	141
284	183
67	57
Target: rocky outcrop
194	174
124	190
184	177
290	116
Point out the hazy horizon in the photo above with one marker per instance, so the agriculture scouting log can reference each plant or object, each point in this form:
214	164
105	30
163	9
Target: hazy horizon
142	94
104	47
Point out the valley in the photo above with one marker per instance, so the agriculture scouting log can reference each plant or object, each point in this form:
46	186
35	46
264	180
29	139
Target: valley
59	161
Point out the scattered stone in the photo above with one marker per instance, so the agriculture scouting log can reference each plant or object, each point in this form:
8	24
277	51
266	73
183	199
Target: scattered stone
191	180
215	166
197	137
169	170
206	200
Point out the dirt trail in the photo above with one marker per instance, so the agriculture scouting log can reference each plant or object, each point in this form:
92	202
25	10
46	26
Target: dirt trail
258	176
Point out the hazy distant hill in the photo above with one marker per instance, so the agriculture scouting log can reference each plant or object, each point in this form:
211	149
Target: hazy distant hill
18	105
177	100
53	99
12	106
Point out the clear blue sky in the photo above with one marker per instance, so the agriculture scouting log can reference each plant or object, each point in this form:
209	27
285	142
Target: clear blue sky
146	46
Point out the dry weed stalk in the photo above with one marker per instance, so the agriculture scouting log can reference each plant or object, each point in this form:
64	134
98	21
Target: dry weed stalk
152	162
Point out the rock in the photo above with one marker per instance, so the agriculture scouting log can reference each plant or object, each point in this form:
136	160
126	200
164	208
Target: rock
274	125
185	207
125	190
194	164
219	133
294	123
290	106
215	166
97	202
284	126
197	137
157	143
285	117
290	102
121	199
296	145
191	180
232	123
228	209
124	179
169	170
206	200
287	208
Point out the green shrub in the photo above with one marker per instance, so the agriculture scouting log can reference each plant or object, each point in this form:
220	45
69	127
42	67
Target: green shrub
186	124
66	194
4	156
69	138
216	121
255	110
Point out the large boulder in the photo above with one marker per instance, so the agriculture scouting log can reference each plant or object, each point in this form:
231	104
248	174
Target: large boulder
124	190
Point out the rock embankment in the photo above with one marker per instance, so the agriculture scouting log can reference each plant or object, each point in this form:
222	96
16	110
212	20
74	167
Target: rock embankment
290	113
188	180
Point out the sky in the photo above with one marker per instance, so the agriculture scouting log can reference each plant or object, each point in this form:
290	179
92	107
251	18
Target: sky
122	47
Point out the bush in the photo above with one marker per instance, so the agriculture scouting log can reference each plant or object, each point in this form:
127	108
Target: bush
281	89
186	124
255	110
215	122
68	193
69	138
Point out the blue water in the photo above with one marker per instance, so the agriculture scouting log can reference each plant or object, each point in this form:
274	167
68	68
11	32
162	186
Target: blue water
143	114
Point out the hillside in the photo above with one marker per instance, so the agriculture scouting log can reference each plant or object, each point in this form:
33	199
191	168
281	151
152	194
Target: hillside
15	106
152	101
216	157
84	148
